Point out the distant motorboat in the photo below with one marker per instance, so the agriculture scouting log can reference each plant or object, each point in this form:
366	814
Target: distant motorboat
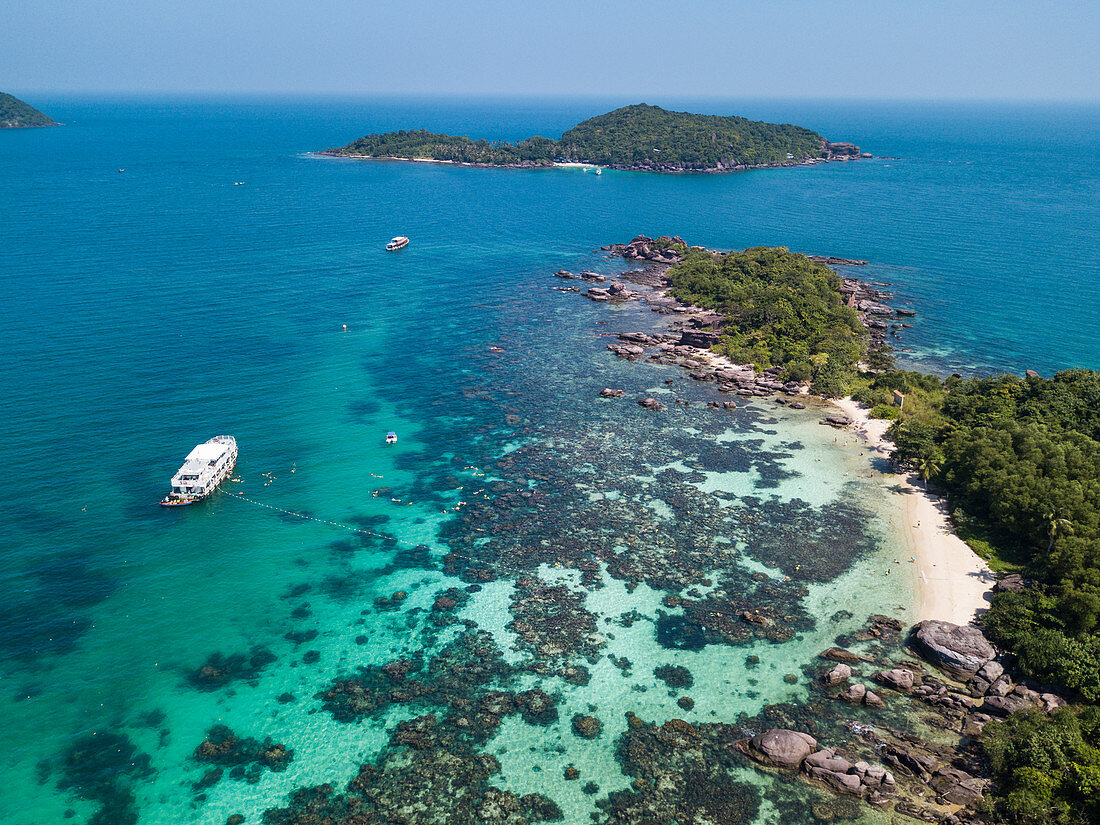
599	171
391	437
397	243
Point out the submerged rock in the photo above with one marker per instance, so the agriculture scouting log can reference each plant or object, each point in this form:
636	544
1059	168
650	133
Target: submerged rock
588	727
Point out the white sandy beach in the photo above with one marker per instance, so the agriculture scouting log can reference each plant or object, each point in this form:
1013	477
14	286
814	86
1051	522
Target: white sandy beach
953	579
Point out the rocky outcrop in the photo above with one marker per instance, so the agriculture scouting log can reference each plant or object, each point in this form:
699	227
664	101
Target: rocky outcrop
779	748
663	250
844	777
841	151
793	750
840	673
607	392
960	650
699	338
899	678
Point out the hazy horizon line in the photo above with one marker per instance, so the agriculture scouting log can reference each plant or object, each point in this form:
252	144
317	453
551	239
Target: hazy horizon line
636	97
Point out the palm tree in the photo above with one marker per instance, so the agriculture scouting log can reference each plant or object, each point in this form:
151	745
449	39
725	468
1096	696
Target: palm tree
1057	526
927	468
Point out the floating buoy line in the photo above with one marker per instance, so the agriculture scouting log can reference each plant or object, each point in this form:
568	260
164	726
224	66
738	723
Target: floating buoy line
480	563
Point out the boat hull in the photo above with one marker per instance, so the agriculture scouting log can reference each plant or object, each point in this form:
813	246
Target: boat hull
187	499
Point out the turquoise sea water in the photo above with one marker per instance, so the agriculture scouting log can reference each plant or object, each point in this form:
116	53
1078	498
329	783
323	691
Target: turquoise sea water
147	310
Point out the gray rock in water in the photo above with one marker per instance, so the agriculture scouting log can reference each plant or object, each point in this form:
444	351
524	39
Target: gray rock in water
840	673
961	650
607	392
854	694
780	748
872	700
899	678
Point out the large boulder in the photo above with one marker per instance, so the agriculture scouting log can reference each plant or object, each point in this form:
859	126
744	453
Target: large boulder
699	338
840	673
958	649
780	748
899	678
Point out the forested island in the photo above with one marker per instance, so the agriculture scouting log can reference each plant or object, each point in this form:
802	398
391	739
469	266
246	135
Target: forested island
639	137
1019	461
15	114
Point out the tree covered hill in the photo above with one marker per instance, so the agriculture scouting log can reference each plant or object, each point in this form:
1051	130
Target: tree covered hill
15	114
784	310
633	137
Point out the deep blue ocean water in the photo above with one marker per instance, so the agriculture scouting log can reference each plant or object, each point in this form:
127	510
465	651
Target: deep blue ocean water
149	309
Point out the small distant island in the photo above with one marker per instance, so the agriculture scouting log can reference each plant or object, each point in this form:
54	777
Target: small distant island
639	137
15	114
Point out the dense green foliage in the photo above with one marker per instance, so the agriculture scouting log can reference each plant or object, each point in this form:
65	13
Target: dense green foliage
784	310
1047	768
14	114
638	136
1020	460
422	144
642	135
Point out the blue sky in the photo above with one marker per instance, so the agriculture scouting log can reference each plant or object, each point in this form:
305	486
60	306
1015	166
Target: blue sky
763	48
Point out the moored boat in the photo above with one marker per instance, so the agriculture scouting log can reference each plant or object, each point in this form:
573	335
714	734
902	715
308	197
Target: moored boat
206	466
397	243
391	437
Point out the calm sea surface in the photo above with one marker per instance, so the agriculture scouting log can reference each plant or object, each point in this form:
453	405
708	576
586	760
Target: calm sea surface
146	310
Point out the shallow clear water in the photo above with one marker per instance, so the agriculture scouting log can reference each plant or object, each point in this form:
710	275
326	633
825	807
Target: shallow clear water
150	309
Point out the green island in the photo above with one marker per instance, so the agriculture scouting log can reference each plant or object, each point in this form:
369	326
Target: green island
15	114
638	137
782	310
1019	460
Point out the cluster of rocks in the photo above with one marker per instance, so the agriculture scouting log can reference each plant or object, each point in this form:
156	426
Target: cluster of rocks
842	151
870	304
856	693
794	750
700	330
616	292
689	350
244	757
663	250
974	688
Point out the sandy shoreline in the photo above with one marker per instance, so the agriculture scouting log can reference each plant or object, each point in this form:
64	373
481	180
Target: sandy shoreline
952	579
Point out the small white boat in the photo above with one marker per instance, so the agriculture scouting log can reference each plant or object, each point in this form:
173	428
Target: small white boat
205	467
391	437
397	243
599	171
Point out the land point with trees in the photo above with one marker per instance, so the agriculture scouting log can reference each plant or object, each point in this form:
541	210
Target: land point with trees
15	114
640	137
1019	460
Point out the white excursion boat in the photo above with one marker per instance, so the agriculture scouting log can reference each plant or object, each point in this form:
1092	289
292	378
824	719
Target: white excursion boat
397	243
391	437
205	467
